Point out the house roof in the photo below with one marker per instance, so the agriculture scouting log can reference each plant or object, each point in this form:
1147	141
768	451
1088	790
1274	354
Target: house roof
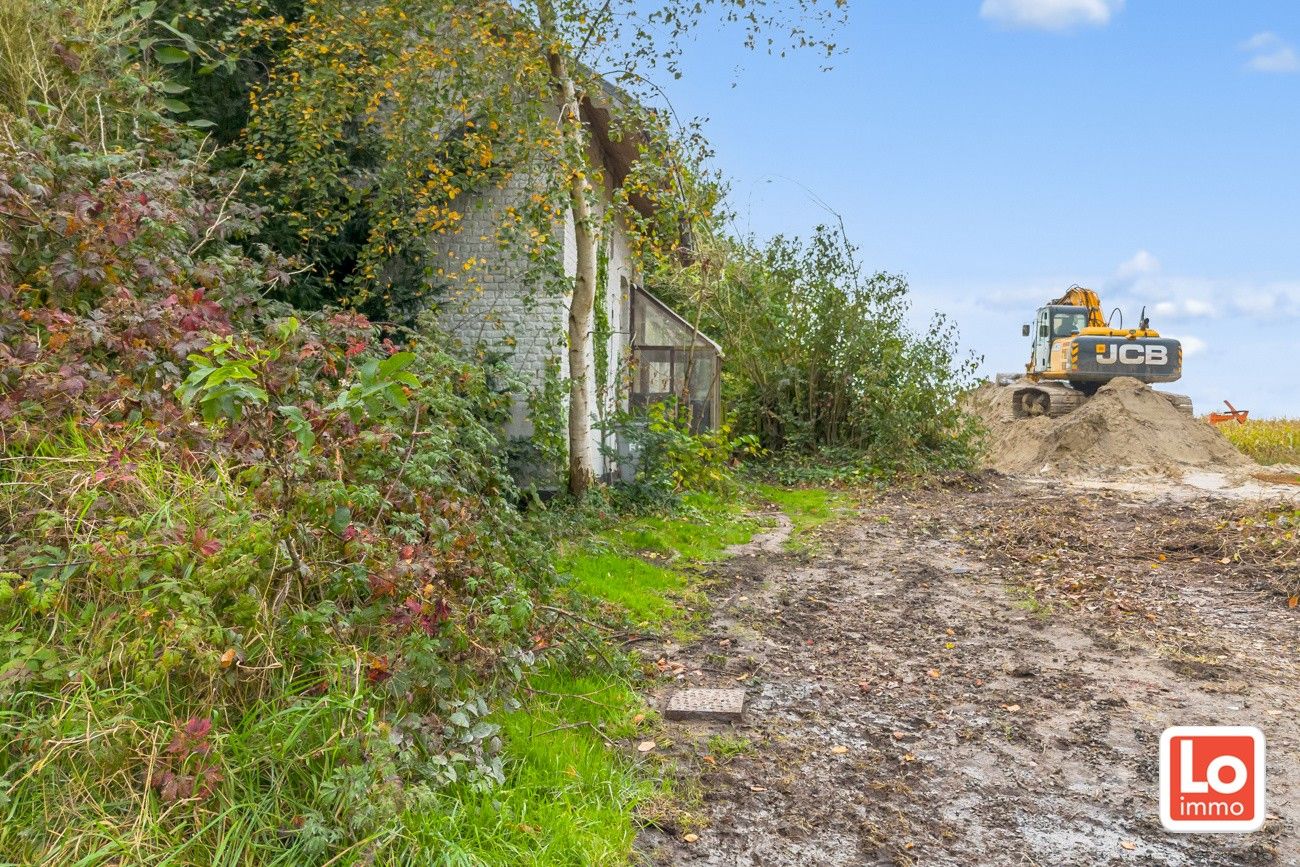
678	318
621	147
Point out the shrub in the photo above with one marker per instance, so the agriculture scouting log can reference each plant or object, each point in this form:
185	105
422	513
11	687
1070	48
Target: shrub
670	459
819	357
261	578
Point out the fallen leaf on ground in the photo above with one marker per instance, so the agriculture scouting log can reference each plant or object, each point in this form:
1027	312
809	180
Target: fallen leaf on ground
1128	844
1011	707
839	750
645	746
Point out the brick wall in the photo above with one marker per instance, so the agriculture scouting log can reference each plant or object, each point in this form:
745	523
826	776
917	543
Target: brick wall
503	304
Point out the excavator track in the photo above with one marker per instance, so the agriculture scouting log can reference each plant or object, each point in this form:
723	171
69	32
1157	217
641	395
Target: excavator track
1055	399
1051	399
1180	401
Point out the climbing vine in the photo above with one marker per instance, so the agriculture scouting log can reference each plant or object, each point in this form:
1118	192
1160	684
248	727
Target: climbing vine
382	125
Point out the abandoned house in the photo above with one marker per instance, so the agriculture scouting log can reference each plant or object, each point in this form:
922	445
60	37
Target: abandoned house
648	350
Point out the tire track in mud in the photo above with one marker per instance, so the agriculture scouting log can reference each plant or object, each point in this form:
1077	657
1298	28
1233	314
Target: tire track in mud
908	703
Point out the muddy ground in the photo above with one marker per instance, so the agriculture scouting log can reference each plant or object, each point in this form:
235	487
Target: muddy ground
978	674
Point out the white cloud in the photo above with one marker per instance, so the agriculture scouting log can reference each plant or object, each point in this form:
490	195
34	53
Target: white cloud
1270	53
1185	298
1253	301
1191	345
1141	263
1050	14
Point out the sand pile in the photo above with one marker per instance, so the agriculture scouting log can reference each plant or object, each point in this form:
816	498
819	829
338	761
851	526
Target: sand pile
1127	425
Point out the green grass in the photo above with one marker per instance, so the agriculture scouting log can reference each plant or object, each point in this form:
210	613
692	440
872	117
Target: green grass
568	798
643	567
726	747
807	509
701	533
648	593
286	755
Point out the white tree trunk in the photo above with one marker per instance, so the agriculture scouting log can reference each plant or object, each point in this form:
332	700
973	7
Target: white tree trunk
586	238
586	235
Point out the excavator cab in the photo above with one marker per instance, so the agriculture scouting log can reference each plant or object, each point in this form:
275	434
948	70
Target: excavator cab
1054	322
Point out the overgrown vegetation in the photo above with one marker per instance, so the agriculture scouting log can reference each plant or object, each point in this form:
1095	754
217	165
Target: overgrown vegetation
262	578
266	594
670	458
820	363
638	568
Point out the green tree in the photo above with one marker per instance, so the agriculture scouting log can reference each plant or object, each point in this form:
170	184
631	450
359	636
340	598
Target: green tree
634	40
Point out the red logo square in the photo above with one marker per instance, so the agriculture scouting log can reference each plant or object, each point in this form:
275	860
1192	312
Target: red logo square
1212	778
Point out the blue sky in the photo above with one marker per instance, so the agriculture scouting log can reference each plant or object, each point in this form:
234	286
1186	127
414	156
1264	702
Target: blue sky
996	151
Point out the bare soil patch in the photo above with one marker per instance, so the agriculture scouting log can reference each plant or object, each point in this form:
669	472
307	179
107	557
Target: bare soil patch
1127	425
979	674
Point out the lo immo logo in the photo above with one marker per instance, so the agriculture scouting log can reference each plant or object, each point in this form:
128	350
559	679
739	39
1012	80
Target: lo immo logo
1212	778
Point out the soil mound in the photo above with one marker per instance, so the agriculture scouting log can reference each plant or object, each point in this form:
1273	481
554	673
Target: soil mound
1127	425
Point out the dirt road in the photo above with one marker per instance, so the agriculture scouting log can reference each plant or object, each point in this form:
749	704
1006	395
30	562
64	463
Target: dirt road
979	674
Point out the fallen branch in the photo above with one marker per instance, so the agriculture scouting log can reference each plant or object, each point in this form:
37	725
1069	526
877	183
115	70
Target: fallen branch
581	724
578	617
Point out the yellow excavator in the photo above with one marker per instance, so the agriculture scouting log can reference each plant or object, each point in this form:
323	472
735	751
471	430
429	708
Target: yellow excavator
1076	350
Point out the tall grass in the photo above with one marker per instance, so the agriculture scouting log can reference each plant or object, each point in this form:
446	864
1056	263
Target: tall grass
55	58
83	744
92	692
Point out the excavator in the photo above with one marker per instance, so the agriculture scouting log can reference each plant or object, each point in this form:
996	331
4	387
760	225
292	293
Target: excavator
1076	350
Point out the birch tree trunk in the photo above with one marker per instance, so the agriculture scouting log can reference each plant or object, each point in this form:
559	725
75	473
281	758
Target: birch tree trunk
586	239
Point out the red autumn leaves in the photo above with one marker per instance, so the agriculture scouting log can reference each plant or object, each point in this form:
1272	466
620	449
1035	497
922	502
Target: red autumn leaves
189	771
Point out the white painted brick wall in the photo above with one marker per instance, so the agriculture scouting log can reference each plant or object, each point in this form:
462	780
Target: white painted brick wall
492	304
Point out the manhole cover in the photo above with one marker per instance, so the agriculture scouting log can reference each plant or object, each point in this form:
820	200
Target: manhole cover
716	705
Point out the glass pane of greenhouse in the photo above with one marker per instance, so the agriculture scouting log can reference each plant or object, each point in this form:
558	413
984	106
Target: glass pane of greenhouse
668	355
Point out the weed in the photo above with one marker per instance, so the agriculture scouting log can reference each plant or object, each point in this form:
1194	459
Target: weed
726	747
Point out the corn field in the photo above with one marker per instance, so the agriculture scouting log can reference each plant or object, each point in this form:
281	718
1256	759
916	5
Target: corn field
1272	441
